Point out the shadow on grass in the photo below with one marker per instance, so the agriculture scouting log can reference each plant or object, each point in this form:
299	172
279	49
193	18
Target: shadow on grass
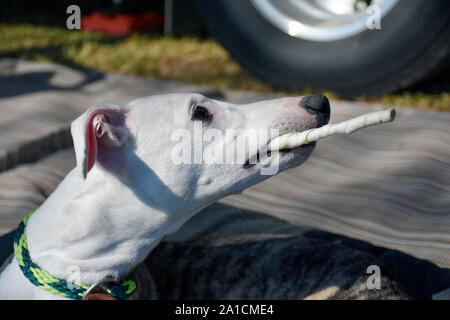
31	82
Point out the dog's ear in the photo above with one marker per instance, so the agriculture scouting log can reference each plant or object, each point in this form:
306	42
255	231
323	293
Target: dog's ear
99	126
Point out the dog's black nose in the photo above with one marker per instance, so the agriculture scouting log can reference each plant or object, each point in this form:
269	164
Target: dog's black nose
317	104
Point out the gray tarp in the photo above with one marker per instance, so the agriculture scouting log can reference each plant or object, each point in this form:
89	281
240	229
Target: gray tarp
388	185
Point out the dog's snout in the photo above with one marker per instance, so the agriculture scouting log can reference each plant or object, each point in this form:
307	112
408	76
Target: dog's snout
317	104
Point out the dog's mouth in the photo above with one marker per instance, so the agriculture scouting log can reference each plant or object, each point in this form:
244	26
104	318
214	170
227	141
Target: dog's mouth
260	155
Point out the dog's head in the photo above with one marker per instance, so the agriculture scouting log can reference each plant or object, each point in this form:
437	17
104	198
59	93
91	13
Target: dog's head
191	150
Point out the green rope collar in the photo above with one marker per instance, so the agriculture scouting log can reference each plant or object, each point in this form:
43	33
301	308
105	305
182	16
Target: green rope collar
46	281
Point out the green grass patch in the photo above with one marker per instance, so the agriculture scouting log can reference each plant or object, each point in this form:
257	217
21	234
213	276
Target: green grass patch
186	59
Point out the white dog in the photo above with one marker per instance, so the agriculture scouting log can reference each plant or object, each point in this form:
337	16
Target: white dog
126	192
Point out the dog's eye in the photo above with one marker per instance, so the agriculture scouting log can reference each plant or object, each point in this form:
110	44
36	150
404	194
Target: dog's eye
201	113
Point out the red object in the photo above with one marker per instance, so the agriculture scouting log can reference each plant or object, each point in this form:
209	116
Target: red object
121	24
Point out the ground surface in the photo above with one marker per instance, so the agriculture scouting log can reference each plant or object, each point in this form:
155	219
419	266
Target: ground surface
388	185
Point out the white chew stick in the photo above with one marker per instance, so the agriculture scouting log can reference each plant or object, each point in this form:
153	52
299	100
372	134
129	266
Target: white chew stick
293	140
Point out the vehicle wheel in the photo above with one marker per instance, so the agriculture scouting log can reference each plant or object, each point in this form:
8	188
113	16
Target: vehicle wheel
297	44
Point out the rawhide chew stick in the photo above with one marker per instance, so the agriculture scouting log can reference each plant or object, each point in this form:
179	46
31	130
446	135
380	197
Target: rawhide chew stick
293	140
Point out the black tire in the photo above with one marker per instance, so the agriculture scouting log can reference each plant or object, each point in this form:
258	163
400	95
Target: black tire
413	42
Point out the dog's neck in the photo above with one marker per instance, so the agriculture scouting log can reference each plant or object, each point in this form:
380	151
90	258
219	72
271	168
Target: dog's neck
89	229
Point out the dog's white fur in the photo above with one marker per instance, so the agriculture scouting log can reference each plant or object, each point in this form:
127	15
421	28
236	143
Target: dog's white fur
106	219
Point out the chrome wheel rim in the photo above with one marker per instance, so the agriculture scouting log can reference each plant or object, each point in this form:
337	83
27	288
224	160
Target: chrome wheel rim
322	20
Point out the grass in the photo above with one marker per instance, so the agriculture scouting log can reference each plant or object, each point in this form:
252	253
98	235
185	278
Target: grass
184	59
